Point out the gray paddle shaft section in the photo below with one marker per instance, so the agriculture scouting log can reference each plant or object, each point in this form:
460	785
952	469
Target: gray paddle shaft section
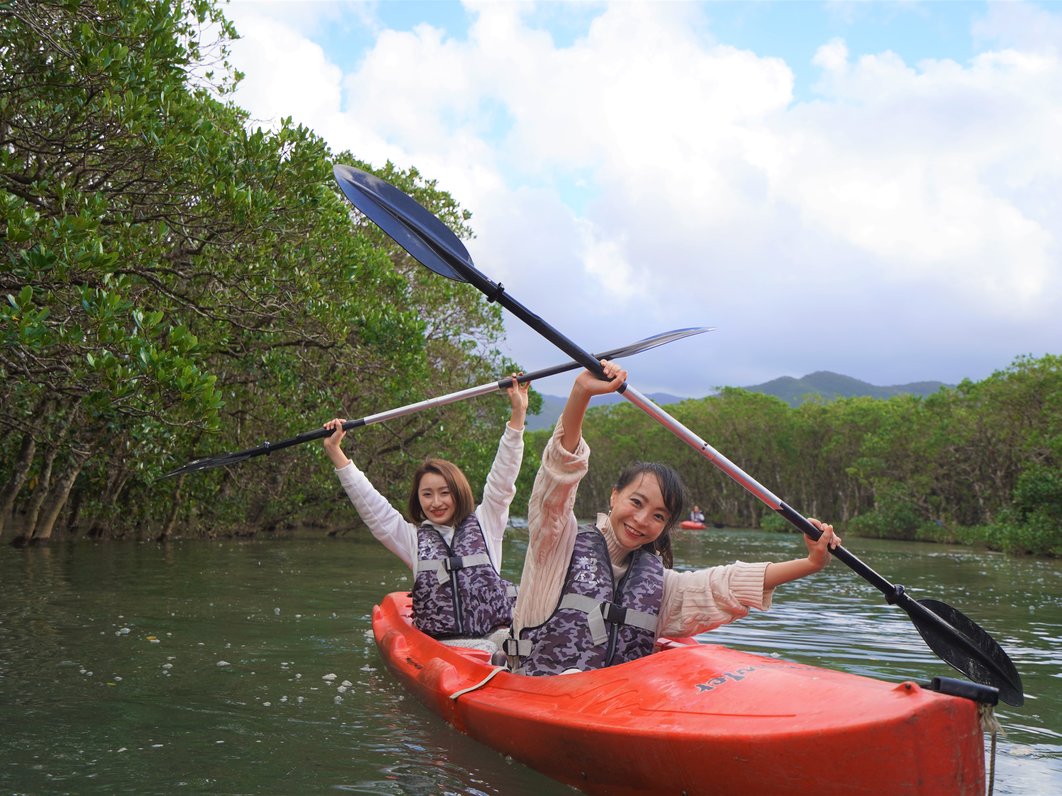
707	451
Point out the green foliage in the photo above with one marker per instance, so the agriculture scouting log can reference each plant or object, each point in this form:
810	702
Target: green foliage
773	523
1033	524
977	464
1039	491
176	283
894	516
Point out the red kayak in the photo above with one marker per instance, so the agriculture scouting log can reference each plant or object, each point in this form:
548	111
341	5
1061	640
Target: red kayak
697	718
692	525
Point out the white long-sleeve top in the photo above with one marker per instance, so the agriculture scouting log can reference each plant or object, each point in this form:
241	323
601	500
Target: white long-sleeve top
400	536
693	602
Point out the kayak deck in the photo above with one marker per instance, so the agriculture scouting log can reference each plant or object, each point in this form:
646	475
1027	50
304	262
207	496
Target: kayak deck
697	718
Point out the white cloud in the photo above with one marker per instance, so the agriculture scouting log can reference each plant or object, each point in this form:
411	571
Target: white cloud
286	74
641	176
905	164
1019	25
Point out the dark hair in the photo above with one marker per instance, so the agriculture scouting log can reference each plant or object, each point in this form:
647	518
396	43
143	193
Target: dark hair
674	493
464	502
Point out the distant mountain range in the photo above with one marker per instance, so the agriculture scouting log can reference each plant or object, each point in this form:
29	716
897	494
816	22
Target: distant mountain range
822	385
827	385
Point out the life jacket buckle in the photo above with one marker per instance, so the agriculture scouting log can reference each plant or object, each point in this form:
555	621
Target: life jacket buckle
611	612
516	647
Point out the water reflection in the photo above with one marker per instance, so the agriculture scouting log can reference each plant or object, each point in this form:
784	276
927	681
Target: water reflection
209	666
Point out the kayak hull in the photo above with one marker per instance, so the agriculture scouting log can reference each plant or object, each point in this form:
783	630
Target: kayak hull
697	718
692	525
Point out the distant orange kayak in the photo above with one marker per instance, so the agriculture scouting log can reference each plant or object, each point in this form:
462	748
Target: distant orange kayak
697	718
692	525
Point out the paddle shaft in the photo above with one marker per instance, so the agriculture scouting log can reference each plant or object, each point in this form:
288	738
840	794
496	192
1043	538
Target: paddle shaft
894	594
754	487
391	414
496	292
222	460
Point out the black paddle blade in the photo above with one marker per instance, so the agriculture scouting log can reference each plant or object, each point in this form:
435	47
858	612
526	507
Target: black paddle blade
432	243
965	645
210	462
654	341
225	459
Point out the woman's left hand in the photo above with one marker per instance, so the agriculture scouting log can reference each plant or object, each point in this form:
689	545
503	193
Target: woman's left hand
333	443
518	392
819	549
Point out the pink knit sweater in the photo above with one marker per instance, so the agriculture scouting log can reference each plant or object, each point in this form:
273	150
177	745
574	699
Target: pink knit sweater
693	602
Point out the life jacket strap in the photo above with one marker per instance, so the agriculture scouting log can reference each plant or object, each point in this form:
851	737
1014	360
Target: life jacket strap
597	612
443	566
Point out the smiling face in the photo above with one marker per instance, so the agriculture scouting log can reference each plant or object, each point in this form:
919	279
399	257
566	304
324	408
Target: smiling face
438	484
436	499
639	513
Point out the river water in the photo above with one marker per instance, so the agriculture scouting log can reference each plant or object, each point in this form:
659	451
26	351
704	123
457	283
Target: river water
206	667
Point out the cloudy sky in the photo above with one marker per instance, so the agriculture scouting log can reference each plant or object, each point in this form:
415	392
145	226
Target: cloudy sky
869	188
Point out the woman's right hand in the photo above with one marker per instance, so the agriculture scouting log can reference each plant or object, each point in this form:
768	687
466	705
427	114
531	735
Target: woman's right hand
586	386
593	385
333	443
819	550
518	400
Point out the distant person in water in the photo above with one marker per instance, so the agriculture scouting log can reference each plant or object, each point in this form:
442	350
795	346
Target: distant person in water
696	515
600	594
453	547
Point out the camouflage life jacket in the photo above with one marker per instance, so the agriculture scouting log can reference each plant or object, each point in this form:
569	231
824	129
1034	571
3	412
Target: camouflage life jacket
456	590
597	623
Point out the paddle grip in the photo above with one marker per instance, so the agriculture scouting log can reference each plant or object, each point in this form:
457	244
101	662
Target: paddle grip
308	436
985	694
803	524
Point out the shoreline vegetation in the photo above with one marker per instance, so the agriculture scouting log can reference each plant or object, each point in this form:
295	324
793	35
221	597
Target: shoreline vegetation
178	283
977	464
